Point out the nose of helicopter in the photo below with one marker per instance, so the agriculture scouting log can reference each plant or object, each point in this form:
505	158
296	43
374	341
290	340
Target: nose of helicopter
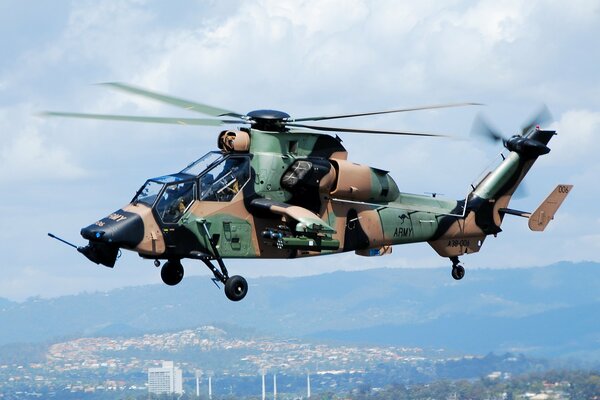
119	229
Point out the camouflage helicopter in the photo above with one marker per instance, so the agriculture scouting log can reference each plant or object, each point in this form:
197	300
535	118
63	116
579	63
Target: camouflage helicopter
279	188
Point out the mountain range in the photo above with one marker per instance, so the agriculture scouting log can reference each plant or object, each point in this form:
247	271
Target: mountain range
544	311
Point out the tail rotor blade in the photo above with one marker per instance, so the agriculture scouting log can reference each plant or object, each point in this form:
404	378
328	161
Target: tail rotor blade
522	191
484	129
540	117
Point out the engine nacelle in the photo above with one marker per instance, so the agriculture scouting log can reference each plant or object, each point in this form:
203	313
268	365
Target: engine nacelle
362	183
234	141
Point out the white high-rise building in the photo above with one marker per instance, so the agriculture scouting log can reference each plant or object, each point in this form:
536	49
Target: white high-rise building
167	379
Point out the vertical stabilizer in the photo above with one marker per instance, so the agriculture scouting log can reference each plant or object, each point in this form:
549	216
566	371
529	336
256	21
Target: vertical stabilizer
542	216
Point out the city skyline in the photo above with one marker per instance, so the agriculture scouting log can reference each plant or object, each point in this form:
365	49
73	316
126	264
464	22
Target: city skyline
115	365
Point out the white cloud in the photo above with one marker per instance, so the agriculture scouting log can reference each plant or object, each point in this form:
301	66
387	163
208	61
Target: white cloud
315	17
307	58
577	137
25	155
29	157
497	21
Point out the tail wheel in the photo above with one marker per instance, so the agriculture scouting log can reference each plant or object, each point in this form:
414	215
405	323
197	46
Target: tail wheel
236	288
172	272
458	272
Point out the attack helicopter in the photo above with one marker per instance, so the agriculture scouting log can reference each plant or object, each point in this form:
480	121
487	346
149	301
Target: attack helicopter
277	187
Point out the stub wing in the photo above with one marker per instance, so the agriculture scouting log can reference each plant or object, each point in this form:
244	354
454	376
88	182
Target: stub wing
307	220
542	216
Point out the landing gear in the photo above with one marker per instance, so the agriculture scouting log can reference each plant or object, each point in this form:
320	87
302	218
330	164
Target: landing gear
172	272
458	271
236	286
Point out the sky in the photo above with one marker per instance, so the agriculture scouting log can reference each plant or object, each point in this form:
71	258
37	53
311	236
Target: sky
306	58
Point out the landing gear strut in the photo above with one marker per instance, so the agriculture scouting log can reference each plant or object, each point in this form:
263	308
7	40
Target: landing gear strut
236	286
458	271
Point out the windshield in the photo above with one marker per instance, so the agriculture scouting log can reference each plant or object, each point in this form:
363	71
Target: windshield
225	180
147	194
175	200
201	164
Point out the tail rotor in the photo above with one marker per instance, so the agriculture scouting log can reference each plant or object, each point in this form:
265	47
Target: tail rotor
484	129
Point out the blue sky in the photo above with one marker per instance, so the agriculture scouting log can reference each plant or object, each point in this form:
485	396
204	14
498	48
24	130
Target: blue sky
303	57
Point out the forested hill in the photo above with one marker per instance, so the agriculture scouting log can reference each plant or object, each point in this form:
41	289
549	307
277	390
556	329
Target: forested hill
550	310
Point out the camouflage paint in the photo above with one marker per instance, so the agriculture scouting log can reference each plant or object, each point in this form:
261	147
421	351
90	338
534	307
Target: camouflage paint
361	208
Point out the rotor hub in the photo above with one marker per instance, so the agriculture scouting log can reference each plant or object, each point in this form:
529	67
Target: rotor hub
268	120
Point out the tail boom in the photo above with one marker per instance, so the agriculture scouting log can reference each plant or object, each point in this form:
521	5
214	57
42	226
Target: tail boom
488	202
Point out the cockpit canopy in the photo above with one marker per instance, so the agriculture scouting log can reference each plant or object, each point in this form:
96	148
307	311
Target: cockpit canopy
213	177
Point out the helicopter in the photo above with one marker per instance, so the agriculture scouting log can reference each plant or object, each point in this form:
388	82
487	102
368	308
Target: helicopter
280	188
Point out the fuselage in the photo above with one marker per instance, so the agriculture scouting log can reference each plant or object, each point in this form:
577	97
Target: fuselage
285	195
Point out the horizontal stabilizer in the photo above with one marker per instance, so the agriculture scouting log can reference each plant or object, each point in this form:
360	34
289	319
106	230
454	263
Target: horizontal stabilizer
540	218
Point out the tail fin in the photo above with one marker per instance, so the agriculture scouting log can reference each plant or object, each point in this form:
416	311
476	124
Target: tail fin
541	217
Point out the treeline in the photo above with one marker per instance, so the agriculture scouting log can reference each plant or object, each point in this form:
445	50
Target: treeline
572	384
23	353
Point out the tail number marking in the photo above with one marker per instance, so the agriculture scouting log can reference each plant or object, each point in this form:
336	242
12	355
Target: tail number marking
459	243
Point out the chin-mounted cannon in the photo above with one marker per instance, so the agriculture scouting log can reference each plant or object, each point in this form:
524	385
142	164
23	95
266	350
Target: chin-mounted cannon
97	252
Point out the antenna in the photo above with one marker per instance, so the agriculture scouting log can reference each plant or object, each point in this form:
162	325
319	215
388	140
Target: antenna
210	387
307	385
198	374
264	394
274	386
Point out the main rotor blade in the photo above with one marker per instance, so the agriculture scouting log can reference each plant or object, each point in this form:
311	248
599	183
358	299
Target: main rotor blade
431	107
368	131
541	116
175	101
154	120
522	191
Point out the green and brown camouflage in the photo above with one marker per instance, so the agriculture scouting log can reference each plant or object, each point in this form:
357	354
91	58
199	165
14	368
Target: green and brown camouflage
275	191
300	186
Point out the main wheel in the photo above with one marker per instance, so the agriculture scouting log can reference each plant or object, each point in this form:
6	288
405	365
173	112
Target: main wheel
458	272
172	272
236	288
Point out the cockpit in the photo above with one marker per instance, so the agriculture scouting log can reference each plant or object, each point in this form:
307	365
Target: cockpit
215	177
